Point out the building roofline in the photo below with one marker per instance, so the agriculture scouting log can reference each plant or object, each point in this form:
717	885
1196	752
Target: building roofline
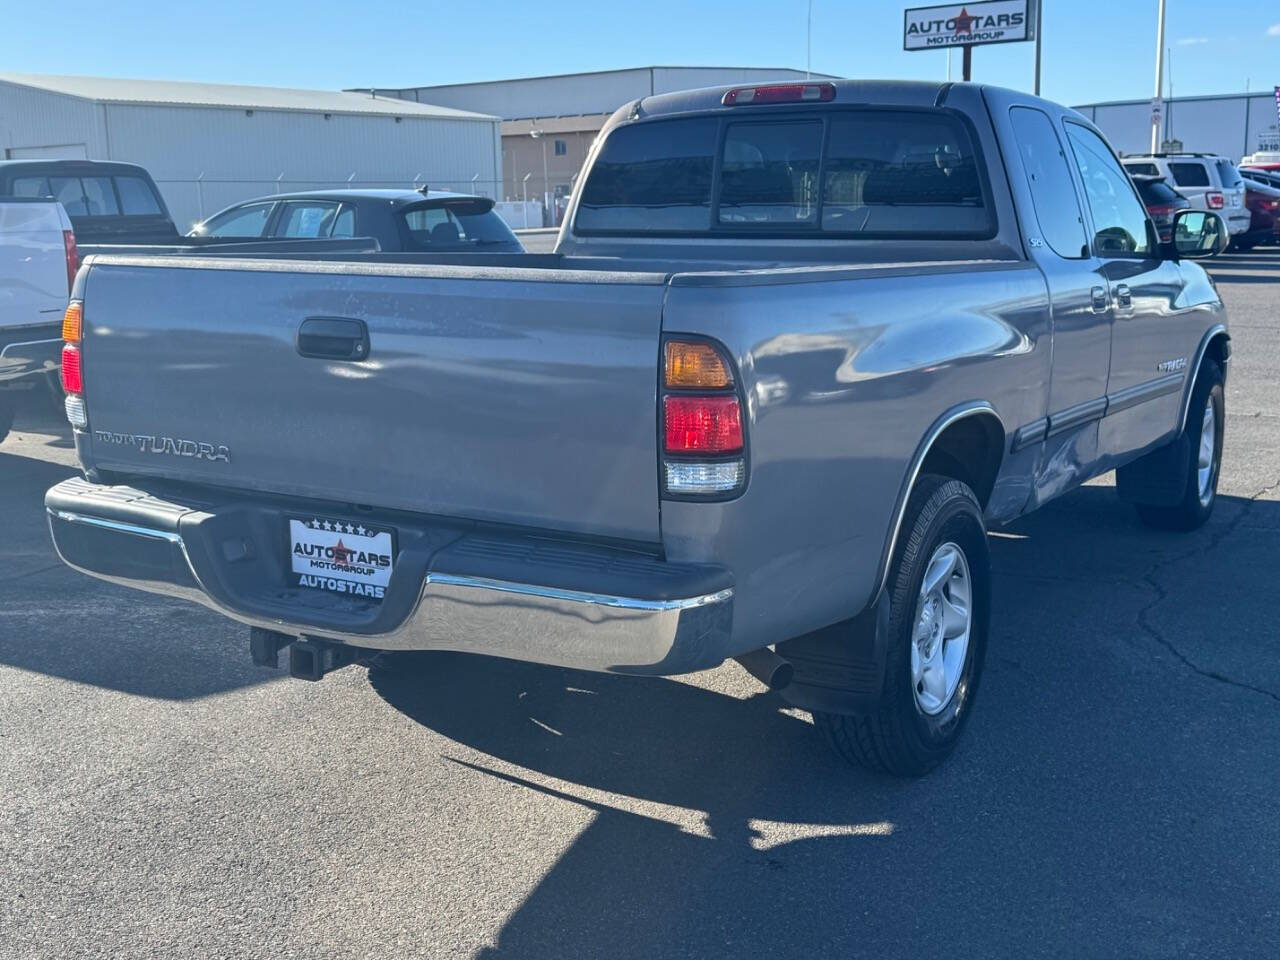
417	110
1206	96
586	73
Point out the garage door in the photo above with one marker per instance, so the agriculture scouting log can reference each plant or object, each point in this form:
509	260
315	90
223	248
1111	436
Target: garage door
62	151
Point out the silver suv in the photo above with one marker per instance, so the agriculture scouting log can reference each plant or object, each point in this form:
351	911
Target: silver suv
1209	181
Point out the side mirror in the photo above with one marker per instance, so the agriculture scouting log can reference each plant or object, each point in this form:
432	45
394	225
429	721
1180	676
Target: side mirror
1197	234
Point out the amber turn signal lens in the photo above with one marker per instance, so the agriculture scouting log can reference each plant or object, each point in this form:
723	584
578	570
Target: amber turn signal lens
695	365
72	322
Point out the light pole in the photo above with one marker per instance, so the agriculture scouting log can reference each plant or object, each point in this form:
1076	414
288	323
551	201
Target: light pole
1156	101
524	192
547	183
1039	34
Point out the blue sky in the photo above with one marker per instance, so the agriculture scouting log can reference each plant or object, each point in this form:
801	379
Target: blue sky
1093	49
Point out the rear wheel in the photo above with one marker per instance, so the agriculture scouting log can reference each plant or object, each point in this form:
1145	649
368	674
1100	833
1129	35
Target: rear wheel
939	600
1197	483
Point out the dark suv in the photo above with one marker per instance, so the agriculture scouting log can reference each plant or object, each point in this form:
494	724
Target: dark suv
107	202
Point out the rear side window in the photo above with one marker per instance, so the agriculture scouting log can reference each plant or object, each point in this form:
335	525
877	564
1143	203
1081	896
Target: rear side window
652	177
882	174
1230	176
1189	174
1049	177
136	197
455	224
345	225
1156	192
306	219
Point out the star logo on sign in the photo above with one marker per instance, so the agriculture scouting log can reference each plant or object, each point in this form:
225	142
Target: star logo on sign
361	531
328	525
964	22
350	528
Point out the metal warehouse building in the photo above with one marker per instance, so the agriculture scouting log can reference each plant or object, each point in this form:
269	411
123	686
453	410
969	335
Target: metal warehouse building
210	145
1232	125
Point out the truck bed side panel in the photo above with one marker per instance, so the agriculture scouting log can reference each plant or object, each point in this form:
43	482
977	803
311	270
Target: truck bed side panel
843	380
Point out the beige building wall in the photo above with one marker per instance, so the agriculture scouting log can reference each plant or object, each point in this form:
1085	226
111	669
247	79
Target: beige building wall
566	140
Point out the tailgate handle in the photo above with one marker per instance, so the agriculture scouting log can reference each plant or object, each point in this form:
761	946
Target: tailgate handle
333	338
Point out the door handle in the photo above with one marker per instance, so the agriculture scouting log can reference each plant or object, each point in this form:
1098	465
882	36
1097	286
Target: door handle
1100	302
1123	297
333	338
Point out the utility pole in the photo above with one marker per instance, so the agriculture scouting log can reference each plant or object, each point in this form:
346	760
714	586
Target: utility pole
1157	101
966	65
1039	33
808	44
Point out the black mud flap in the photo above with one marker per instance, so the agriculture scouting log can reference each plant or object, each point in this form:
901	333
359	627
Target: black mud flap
840	668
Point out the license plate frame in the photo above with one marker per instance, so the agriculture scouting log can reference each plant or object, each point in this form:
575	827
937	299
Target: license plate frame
339	555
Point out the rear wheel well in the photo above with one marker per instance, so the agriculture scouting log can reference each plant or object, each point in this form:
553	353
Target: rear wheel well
969	450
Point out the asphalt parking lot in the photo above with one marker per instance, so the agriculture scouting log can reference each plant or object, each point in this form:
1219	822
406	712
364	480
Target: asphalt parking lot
1116	796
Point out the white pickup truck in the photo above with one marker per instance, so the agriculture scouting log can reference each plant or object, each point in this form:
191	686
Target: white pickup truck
38	263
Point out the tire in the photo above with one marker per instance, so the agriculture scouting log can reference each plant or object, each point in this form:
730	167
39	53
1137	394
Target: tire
915	728
1197	498
6	416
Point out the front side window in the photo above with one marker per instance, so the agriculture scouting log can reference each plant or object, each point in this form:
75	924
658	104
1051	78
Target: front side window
247	221
1119	220
882	173
306	219
1049	177
1189	174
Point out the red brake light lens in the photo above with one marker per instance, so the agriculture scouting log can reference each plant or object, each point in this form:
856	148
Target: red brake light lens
1216	201
73	257
780	93
708	425
72	373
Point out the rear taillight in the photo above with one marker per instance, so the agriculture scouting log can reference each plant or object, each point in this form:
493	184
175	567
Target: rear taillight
1216	201
1160	210
780	93
73	258
72	373
73	364
703	437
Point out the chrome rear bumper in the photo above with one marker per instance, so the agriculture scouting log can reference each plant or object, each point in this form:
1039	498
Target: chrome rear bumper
443	596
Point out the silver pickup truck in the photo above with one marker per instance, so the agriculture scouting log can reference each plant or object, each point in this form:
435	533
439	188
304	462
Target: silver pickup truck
799	346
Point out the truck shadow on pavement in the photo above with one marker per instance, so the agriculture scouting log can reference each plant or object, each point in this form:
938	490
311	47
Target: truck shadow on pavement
61	623
721	827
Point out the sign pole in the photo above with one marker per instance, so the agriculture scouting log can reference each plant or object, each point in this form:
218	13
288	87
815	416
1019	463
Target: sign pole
1039	31
967	64
1157	102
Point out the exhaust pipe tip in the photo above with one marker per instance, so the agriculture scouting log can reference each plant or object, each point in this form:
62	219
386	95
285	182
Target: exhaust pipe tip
767	667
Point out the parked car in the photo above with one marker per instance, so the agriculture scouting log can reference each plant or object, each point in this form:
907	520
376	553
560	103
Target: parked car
108	202
400	220
1161	201
1263	203
38	262
1209	181
798	347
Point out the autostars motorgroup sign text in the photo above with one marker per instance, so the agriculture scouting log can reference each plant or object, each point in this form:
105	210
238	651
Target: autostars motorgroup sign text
1001	21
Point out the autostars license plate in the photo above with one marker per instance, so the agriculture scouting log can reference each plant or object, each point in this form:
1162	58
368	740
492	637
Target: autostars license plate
341	556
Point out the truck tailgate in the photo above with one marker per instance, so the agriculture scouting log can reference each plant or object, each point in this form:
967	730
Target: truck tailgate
503	394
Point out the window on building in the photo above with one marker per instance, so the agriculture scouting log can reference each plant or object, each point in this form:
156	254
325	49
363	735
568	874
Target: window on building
561	148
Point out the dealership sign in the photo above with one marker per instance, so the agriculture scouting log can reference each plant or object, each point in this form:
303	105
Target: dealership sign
967	24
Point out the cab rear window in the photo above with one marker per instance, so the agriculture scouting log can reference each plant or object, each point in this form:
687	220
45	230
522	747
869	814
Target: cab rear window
866	173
